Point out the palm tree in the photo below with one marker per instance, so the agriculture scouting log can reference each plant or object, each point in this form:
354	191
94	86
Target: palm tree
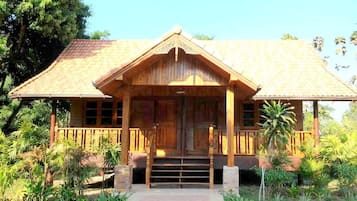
279	121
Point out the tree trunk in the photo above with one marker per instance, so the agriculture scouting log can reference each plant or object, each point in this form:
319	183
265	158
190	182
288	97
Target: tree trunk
6	128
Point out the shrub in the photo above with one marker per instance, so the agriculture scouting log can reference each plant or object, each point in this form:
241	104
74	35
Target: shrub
113	197
347	176
232	196
277	179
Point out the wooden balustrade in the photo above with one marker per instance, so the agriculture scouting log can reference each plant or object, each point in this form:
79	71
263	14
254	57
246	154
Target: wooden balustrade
247	142
91	139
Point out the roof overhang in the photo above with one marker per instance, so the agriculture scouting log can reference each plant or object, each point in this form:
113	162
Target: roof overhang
307	98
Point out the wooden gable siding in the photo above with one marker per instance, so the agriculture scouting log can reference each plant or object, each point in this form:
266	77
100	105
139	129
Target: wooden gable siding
186	71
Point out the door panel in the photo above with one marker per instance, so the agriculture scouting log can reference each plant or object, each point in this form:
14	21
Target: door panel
205	113
166	140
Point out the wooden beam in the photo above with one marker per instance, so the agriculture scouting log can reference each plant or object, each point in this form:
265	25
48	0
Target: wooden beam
53	122
316	122
230	125
125	125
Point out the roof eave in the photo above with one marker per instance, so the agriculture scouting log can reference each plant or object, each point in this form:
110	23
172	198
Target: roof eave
307	98
54	96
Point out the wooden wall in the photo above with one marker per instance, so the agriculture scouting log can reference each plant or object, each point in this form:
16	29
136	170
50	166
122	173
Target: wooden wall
143	110
186	71
299	114
76	117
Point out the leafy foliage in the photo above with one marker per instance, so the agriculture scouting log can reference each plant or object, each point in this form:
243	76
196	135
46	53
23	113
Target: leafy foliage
113	196
287	36
232	196
203	37
99	35
33	33
279	121
353	38
112	155
277	179
318	43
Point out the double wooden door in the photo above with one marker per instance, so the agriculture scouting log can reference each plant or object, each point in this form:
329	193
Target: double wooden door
166	136
173	141
177	133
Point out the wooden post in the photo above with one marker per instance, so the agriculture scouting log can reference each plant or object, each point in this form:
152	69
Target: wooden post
210	155
210	140
230	125
125	133
53	122
316	122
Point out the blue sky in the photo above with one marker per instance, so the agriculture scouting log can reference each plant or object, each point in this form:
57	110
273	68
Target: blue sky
234	19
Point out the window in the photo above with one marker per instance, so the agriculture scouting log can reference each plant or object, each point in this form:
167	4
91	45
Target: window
260	112
91	113
119	119
248	115
107	113
104	113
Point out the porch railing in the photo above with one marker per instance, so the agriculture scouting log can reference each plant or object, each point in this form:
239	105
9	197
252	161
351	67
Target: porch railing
247	142
91	139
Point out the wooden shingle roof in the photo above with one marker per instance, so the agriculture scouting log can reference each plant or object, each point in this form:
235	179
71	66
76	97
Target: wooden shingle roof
284	69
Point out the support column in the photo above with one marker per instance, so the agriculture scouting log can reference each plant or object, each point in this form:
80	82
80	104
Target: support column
125	132
230	172
230	125
49	176
316	122
123	173
53	122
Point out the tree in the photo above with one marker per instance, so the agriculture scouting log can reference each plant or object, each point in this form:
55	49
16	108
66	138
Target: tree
287	36
353	38
318	43
32	35
203	37
341	42
349	118
98	35
325	117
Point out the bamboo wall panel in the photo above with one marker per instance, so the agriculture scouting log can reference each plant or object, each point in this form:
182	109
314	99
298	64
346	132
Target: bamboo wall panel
187	71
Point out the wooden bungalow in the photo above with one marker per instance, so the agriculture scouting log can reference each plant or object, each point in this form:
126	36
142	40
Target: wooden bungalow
194	103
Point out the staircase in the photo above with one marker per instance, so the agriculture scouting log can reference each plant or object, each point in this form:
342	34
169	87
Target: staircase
180	171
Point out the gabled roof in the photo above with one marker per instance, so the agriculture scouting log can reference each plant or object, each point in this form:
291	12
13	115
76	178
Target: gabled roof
175	39
284	69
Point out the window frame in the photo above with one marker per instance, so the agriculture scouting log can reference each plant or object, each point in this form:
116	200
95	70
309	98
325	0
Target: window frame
99	111
256	113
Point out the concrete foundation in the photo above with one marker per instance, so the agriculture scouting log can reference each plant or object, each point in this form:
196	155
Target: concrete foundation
231	179
123	178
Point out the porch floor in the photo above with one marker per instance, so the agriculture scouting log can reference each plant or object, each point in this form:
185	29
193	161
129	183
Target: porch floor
139	192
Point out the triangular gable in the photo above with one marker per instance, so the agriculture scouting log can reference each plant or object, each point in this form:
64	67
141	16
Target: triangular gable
175	39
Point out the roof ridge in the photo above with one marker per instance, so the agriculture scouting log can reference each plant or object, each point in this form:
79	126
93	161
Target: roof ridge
32	79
